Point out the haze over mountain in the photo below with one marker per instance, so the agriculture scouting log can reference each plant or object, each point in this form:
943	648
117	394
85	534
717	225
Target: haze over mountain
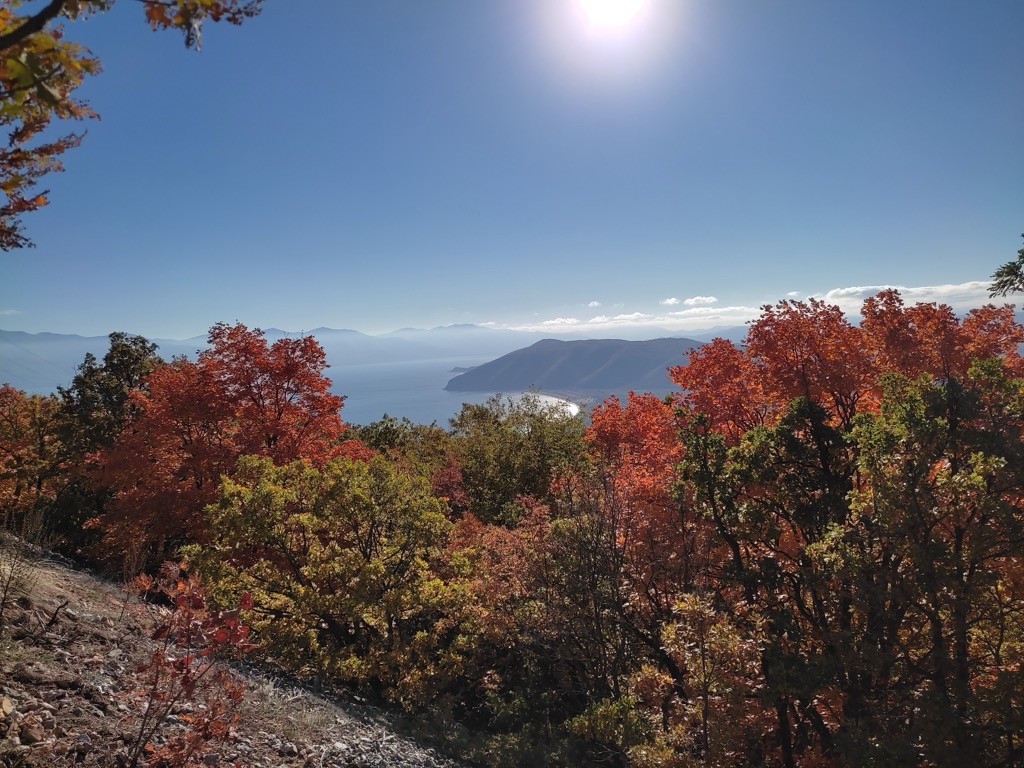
593	368
38	363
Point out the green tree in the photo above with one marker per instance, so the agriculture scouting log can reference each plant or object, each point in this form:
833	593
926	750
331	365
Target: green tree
425	448
337	561
777	499
508	448
96	407
1009	278
92	412
943	470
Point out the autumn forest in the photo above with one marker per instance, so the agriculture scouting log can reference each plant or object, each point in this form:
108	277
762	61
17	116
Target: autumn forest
809	555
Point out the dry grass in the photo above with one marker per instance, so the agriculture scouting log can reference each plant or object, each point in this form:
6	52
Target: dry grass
294	712
18	575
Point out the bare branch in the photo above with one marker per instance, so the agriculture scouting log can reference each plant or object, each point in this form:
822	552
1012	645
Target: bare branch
32	25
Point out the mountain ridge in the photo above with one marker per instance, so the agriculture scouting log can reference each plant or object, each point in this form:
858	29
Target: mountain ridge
595	367
39	363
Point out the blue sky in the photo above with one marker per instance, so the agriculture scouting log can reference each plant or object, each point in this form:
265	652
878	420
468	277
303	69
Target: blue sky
376	164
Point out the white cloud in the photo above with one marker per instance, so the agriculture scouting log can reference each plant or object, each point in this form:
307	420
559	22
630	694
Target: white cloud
594	304
744	313
669	302
681	321
794	294
960	296
698	315
6	312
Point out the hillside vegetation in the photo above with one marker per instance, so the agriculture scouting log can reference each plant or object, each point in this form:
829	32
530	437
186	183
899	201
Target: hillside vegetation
808	554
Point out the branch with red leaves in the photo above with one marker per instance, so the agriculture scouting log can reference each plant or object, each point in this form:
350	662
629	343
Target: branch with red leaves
184	668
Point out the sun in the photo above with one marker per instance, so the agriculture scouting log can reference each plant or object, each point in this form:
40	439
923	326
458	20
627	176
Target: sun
610	14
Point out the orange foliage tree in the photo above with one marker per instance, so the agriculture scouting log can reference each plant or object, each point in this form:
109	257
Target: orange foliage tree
636	447
30	458
930	339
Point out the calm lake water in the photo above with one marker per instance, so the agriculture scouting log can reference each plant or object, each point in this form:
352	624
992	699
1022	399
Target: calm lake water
414	389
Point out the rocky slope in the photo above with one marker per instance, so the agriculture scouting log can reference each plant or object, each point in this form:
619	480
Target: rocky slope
72	690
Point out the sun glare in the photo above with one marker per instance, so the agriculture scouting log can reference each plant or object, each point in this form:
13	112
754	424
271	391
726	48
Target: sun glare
610	14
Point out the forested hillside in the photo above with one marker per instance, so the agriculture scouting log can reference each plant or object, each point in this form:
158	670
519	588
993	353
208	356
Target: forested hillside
808	554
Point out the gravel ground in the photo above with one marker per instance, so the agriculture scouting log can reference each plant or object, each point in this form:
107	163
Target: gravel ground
72	691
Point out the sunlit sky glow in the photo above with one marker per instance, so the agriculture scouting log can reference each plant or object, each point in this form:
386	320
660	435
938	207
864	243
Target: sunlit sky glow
524	164
613	14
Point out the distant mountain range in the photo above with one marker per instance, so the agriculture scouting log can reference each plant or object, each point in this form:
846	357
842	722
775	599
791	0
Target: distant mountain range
41	362
583	369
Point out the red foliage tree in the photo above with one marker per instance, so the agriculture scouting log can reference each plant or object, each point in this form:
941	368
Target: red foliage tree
724	383
809	349
240	397
638	444
929	338
279	398
636	450
795	349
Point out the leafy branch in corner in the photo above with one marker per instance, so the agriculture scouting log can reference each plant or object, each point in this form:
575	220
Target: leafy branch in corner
1009	278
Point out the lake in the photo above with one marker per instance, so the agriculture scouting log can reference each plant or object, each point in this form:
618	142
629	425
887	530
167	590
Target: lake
413	389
